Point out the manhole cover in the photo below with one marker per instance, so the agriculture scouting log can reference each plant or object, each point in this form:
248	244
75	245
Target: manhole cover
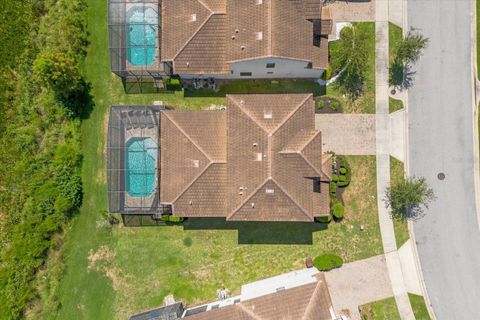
441	176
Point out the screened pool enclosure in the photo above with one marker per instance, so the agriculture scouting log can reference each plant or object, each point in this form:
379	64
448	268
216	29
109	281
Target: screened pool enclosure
134	42
133	168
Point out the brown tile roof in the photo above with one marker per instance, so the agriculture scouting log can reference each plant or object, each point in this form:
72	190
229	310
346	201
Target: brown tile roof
203	36
257	161
192	167
307	302
285	27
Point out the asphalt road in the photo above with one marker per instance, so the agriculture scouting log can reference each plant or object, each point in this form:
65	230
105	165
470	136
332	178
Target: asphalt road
441	140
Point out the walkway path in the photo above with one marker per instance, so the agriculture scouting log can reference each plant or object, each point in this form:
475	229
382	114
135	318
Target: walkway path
383	135
358	283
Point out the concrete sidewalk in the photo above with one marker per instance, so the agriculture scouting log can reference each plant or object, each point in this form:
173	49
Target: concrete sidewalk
383	137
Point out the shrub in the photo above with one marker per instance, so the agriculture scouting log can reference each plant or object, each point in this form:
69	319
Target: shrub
173	219
327	74
320	104
326	262
326	219
338	210
187	242
165	217
332	188
344	167
335	178
342	178
334	105
173	84
343	171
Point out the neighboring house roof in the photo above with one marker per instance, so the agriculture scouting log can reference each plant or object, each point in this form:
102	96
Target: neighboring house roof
203	36
307	302
171	312
258	161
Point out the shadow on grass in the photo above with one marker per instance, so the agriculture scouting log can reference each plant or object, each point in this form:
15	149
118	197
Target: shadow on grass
260	232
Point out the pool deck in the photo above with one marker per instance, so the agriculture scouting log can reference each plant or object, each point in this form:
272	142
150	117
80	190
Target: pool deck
157	63
143	202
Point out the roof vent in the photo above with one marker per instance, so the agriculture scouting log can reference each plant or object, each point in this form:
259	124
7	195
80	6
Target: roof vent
194	17
190	202
260	35
237	30
242	48
253	204
259	1
196	163
255	144
258	156
270	191
233	37
267	115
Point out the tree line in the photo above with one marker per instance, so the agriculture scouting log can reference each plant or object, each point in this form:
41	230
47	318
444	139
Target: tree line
43	97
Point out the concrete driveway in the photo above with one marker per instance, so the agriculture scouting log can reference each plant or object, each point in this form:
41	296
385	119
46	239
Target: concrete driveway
347	134
358	283
440	121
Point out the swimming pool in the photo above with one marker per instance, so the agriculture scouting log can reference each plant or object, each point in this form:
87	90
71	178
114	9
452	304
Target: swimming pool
142	25
141	159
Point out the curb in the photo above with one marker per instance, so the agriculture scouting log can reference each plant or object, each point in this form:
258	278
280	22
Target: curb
476	110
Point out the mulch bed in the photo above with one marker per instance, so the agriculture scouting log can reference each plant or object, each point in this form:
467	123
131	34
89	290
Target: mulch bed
327	103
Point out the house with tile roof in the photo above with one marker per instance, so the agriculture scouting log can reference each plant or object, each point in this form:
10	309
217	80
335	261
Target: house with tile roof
223	39
261	159
297	295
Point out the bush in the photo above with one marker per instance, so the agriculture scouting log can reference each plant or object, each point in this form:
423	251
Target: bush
320	104
326	262
334	105
338	210
173	219
343	171
332	188
335	178
345	178
327	74
342	178
173	84
326	219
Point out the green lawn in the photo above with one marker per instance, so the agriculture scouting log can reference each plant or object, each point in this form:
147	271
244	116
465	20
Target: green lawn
110	273
394	104
261	86
397	173
394	38
419	307
366	102
380	310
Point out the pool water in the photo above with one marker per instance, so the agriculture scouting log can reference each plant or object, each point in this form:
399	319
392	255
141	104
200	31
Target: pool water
142	25
141	160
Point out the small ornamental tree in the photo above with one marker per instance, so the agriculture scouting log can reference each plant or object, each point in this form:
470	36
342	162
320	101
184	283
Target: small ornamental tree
408	198
352	54
411	47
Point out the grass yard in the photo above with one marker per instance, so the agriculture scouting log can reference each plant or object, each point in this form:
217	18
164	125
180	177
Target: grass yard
394	38
366	102
111	272
419	307
260	86
397	173
380	310
394	104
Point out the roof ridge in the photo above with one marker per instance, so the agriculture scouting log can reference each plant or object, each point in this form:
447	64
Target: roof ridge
193	181
293	200
203	4
239	105
195	33
247	199
291	113
310	304
319	170
248	312
188	137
